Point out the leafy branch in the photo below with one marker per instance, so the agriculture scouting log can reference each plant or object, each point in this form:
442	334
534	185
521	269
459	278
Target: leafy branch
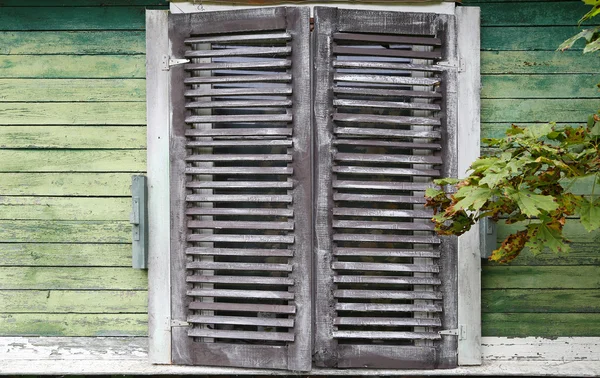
591	35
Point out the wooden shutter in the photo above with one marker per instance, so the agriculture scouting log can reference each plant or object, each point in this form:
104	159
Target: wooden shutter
385	124
241	189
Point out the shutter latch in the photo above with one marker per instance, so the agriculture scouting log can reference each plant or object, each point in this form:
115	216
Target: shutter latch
179	323
168	62
461	332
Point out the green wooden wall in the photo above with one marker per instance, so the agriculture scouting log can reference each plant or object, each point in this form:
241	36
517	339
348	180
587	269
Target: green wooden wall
72	132
525	81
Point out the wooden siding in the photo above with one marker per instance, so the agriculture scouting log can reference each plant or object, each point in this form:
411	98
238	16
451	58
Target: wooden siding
525	81
72	132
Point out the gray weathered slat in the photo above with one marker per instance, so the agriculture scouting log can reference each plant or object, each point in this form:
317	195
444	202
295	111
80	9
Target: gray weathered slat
213	238
391	322
387	66
385	133
383	185
411	226
375	238
395	280
385	120
384	252
238	157
243	307
278	91
385	267
274	63
256	131
240	143
241	335
252	51
396	53
279	78
248	294
368	307
377	198
388	158
386	38
386	335
239	211
241	320
206	251
385	104
240	118
356	170
380	92
386	79
389	144
282	36
239	104
237	225
382	213
238	198
240	171
239	184
387	294
204	265
241	280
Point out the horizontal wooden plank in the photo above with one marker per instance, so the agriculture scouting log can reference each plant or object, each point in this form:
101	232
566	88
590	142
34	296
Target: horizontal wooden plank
66	184
541	350
540	86
518	38
73	324
76	90
72	161
54	254
72	278
36	231
243	294
237	335
113	42
73	137
579	255
64	208
545	300
537	110
72	66
540	325
532	13
73	113
540	277
243	307
73	18
79	3
386	335
241	320
536	62
67	301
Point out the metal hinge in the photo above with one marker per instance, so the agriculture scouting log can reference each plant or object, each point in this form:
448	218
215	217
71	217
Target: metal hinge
444	63
179	323
168	62
461	332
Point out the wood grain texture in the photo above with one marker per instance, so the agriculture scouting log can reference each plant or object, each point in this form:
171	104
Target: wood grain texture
65	184
57	254
541	301
73	161
80	3
72	18
64	113
541	325
519	38
74	90
64	208
73	324
72	278
579	255
72	301
541	349
537	110
17	231
72	66
560	13
540	86
73	137
537	62
541	277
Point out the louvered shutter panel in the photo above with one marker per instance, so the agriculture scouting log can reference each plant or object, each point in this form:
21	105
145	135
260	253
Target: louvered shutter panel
241	189
385	122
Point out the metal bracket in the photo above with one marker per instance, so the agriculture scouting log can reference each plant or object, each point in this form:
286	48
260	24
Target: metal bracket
461	332
167	62
446	64
179	323
139	222
449	332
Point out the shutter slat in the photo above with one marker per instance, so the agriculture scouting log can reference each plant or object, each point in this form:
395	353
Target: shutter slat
377	198
381	92
387	158
387	280
240	118
277	91
391	322
385	267
242	280
235	157
207	238
411	226
386	171
387	120
240	184
375	52
239	104
241	143
240	38
243	307
342	184
239	198
386	335
241	320
381	79
235	225
240	211
384	143
239	79
241	132
249	294
387	294
268	64
239	266
250	335
382	213
383	252
239	252
259	51
385	38
389	133
385	104
240	171
387	66
385	307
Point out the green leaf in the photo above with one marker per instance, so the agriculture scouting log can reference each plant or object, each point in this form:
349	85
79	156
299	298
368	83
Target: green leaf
473	198
537	132
593	12
531	204
592	46
492	179
446	181
589	213
432	192
543	236
482	164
